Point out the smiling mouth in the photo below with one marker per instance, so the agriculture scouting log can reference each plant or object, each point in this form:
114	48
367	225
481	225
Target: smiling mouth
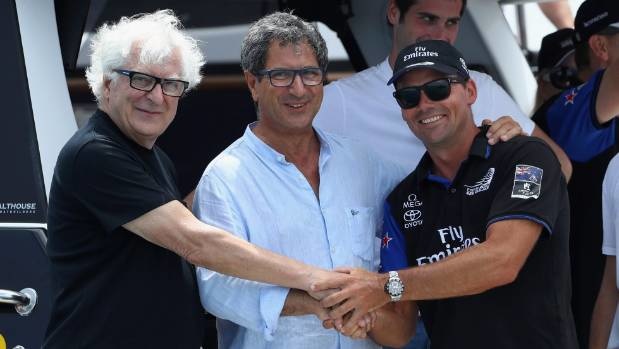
296	105
147	111
431	119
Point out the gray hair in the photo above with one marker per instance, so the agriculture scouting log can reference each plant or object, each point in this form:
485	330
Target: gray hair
158	35
285	28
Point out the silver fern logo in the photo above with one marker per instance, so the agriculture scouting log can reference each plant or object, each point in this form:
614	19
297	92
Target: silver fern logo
481	185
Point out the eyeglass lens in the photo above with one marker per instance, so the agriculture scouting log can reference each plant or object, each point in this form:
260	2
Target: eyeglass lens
144	82
285	77
436	90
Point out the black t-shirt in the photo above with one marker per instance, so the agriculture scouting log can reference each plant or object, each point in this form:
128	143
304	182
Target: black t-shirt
519	179
112	288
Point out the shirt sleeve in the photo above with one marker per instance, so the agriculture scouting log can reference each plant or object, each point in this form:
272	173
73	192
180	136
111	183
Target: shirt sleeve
332	114
393	244
114	185
253	305
533	187
610	205
493	102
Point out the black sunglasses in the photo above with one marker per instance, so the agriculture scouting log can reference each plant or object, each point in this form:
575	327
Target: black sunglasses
436	90
562	77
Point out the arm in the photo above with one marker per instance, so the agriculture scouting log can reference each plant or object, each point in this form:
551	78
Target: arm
605	307
558	12
172	226
493	101
566	164
404	314
495	262
300	303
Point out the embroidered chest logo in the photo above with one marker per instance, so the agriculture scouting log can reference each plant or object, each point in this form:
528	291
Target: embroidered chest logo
386	240
481	185
569	98
527	182
412	217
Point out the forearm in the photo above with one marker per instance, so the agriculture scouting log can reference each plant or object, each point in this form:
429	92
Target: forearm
404	314
492	263
564	160
605	308
558	12
300	303
221	251
173	227
468	272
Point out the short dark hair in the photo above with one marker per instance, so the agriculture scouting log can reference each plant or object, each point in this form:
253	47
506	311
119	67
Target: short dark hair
404	5
285	28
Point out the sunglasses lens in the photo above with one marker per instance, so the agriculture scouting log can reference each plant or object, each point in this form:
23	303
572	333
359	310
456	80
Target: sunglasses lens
437	90
564	77
407	97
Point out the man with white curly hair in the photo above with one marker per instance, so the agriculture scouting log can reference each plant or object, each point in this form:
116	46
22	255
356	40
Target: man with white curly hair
120	240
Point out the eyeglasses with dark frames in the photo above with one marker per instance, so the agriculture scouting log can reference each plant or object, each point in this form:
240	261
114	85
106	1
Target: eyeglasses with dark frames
311	76
435	90
146	82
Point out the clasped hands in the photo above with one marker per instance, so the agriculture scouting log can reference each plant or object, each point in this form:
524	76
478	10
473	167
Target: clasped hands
348	300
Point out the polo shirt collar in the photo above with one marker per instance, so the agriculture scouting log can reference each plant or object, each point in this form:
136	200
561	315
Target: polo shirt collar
479	148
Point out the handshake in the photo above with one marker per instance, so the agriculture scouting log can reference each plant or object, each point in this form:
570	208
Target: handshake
346	300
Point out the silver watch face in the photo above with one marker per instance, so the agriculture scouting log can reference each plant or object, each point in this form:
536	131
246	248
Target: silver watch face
395	288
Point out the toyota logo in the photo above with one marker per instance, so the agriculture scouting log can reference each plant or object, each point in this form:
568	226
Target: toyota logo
412	215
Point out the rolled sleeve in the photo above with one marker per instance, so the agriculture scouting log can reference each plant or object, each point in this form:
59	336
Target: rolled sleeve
272	301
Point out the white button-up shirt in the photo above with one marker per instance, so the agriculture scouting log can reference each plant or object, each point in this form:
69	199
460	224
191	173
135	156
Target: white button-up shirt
251	190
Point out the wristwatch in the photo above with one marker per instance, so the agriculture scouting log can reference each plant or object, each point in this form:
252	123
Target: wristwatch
394	286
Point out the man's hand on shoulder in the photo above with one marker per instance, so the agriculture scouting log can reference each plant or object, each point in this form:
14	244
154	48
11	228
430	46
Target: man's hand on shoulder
502	129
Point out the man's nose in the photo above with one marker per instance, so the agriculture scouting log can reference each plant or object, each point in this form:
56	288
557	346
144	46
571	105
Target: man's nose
156	94
297	87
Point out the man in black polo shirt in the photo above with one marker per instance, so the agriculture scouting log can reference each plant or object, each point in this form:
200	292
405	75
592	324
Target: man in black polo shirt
484	227
120	241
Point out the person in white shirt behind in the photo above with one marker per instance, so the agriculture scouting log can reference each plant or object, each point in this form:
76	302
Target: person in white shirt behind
604	323
362	107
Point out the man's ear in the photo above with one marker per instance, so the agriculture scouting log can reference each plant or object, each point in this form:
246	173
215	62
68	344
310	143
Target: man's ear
471	91
393	12
251	81
599	46
106	88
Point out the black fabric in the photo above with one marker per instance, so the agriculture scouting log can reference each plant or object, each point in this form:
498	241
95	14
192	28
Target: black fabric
112	288
585	192
534	310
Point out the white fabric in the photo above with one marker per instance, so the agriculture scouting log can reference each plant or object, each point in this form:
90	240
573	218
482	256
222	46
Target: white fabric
250	189
362	107
610	216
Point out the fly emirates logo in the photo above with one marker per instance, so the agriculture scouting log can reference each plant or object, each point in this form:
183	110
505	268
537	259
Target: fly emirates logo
452	240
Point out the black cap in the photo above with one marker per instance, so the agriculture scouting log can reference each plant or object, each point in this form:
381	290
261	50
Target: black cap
430	54
555	48
594	16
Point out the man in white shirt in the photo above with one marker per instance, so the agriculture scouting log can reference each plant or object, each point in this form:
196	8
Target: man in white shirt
290	188
604	324
362	106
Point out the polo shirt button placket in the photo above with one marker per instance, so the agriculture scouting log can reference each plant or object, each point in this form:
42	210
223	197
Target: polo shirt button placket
452	190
